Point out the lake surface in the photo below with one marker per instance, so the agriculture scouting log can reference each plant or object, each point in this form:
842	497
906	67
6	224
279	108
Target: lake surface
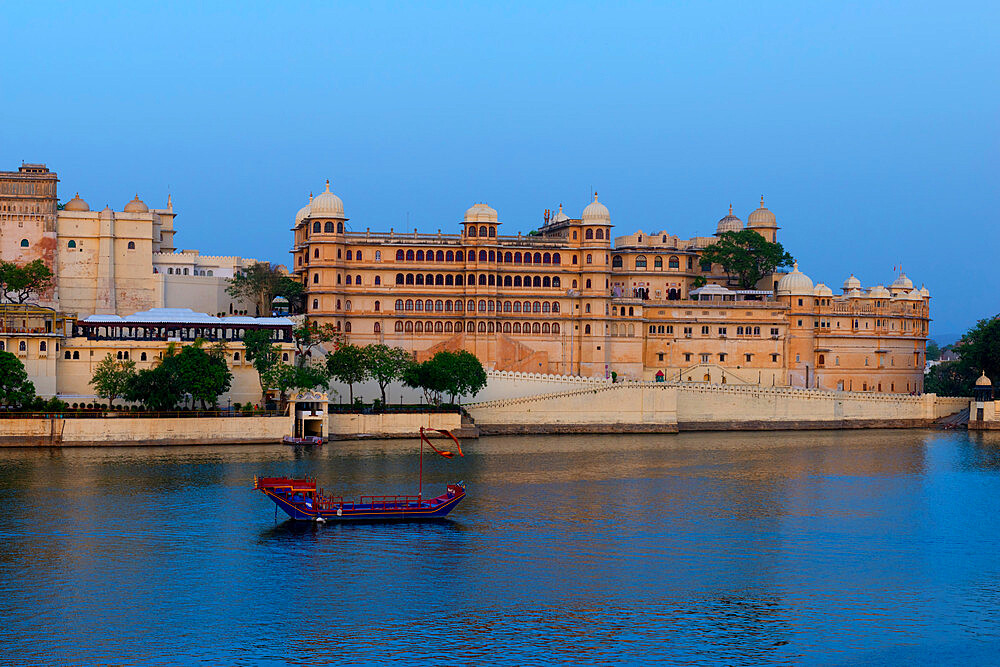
736	548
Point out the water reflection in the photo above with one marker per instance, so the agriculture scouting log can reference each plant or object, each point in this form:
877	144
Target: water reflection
735	548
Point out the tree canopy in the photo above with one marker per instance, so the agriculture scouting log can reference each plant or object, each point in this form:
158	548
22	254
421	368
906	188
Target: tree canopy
260	283
746	256
347	364
979	352
264	354
453	373
386	364
19	283
193	370
111	377
16	390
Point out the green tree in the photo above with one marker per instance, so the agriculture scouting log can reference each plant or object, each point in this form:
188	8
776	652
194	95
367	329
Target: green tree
285	377
202	374
431	376
979	352
264	354
20	283
347	364
933	351
469	373
308	338
386	364
952	378
157	388
746	256
16	390
260	283
112	376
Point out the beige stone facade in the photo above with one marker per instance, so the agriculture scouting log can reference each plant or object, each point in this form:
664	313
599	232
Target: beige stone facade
569	299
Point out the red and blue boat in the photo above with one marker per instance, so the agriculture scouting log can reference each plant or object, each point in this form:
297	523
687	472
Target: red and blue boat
301	500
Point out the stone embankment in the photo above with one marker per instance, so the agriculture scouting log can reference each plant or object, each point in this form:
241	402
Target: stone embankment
672	407
114	431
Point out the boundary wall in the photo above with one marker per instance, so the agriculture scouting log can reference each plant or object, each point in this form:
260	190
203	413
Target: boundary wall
115	431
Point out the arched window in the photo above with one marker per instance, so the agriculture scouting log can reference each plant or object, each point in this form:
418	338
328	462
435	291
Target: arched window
378	280
555	281
338	304
409	255
315	304
508	257
409	327
340	230
458	305
71	244
546	281
399	278
409	304
438	256
348	278
317	227
328	228
418	327
315	278
472	231
536	281
459	279
556	258
546	258
470	306
24	243
447	306
545	327
439	279
378	328
589	234
516	327
449	256
449	279
536	307
555	306
482	230
517	258
517	281
586	329
378	255
482	278
527	258
506	327
590	259
447	327
657	262
418	305
399	304
399	255
588	283
420	255
482	306
600	233
527	306
347	327
131	245
640	262
378	306
439	305
493	232
398	327
420	279
438	327
350	255
536	328
507	281
674	263
459	256
537	258
517	306
546	306
482	255
492	279
555	328
76	355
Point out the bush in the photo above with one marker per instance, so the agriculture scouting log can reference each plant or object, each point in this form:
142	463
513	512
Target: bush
236	406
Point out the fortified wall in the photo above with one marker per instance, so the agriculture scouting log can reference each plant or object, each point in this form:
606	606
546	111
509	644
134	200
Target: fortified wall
671	407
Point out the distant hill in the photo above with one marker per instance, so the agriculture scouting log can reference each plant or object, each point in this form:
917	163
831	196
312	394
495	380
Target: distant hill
943	339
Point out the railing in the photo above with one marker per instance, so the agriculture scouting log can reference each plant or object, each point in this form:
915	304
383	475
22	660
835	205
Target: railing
383	502
138	414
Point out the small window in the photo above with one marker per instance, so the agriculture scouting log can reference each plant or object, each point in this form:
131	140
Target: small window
24	243
131	245
71	244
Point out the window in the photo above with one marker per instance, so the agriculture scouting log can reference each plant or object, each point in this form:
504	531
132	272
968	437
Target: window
616	262
657	262
317	228
748	357
704	331
24	243
399	255
640	262
705	357
409	255
142	356
483	231
315	277
378	255
774	357
588	283
41	346
586	329
722	331
722	356
71	244
378	280
589	234
687	356
350	254
674	263
706	267
590	259
315	304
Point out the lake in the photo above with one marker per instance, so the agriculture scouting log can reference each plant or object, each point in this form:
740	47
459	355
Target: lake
825	547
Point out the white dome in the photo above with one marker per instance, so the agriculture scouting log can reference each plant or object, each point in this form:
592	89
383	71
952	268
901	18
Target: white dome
879	292
902	282
822	290
76	204
762	217
303	212
924	292
852	283
855	294
596	213
560	216
481	213
795	283
326	205
730	223
136	206
913	295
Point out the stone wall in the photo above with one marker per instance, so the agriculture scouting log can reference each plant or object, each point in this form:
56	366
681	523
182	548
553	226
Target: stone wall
347	426
120	430
663	407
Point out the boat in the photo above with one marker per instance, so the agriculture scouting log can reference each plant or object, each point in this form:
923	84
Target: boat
306	440
302	500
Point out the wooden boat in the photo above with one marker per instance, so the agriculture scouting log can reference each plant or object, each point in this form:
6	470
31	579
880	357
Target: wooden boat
306	440
301	500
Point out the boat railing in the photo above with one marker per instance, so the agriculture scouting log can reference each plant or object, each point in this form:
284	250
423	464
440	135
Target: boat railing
389	502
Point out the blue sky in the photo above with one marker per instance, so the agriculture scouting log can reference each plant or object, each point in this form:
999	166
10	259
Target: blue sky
872	131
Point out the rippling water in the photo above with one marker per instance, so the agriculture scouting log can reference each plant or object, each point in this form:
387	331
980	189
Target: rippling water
771	548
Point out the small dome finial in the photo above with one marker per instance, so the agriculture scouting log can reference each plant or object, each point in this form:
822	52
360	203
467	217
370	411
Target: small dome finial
762	201
328	185
310	197
595	195
795	266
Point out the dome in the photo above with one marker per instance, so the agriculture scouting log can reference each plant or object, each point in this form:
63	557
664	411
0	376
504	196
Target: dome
879	292
481	213
924	292
914	295
304	211
983	381
326	205
852	283
596	213
136	206
76	204
855	294
762	217
560	216
822	290
730	223
902	282
795	283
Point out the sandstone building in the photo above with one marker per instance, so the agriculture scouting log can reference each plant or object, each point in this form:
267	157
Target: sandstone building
572	299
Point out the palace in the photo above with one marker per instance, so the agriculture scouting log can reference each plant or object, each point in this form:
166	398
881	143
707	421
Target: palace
571	299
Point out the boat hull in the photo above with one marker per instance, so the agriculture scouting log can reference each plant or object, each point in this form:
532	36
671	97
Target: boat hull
307	509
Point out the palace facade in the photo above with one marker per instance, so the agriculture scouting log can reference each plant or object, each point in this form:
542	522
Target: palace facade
571	299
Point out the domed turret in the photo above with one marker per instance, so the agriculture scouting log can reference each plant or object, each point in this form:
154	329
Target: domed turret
852	283
762	217
76	204
902	283
795	283
879	292
924	292
913	295
136	206
730	223
822	290
596	213
983	381
481	213
560	216
326	205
